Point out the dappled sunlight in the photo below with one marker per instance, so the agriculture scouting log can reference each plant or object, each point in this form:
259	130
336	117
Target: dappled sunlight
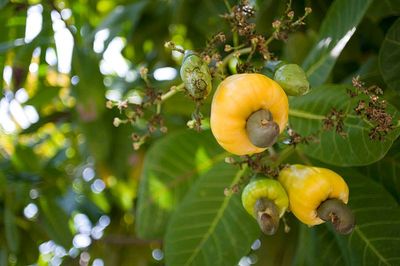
34	22
160	192
203	160
113	61
165	73
64	43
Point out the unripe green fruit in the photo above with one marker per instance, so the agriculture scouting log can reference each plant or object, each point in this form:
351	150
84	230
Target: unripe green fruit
196	76
292	79
266	200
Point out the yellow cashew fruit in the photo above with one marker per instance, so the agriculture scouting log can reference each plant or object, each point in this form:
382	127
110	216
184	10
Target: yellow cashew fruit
236	99
309	187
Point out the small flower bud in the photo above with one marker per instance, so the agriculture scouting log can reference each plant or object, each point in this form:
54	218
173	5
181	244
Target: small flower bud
122	105
308	10
254	41
207	59
151	129
236	54
135	137
276	24
227	48
191	123
109	104
227	192
117	122
221	37
143	72
136	146
229	160
290	14
164	129
169	45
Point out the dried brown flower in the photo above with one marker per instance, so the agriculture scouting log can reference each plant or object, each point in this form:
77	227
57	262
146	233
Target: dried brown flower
335	120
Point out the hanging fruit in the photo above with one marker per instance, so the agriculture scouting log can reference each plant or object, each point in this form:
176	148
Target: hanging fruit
266	200
317	195
248	113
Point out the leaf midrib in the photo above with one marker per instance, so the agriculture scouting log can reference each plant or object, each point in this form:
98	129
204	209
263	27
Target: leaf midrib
307	115
371	247
216	219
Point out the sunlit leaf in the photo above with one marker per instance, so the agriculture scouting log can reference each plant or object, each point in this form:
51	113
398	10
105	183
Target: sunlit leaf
209	228
170	168
336	30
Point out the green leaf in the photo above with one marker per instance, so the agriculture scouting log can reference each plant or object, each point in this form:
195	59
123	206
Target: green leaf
389	57
306	117
170	167
11	229
387	171
376	237
298	46
210	228
279	249
381	9
55	221
336	30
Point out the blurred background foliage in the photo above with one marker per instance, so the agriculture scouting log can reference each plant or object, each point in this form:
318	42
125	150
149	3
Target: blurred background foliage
68	178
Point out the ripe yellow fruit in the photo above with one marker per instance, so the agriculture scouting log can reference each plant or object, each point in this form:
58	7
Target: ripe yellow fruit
308	187
235	100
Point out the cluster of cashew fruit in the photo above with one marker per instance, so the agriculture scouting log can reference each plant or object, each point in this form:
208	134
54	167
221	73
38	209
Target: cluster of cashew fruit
314	195
248	113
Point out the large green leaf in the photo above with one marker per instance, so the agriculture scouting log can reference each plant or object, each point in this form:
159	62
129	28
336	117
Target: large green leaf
389	57
306	117
336	30
210	228
170	167
319	246
279	249
376	237
387	171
